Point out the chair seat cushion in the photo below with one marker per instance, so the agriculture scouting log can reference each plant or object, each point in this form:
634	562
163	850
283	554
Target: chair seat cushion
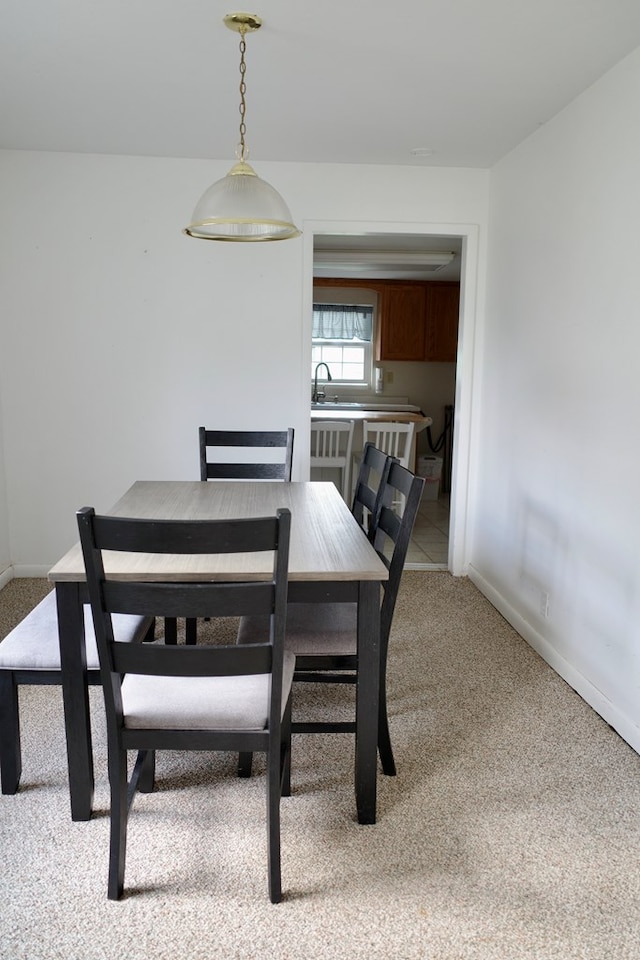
33	644
313	629
201	703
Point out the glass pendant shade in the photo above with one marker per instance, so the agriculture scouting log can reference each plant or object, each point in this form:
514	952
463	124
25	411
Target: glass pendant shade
241	206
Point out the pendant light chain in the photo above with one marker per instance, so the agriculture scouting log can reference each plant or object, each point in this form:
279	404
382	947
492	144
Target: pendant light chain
243	90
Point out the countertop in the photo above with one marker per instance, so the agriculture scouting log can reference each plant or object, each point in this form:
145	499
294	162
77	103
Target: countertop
374	416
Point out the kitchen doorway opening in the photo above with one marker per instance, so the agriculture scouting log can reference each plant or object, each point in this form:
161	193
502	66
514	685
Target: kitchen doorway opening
404	254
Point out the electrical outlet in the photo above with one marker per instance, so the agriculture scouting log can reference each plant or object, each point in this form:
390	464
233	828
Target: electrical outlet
544	603
389	376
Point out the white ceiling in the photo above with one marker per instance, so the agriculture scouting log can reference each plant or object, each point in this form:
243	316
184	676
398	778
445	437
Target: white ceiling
363	81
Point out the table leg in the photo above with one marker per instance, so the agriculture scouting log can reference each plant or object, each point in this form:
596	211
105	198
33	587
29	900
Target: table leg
367	700
75	693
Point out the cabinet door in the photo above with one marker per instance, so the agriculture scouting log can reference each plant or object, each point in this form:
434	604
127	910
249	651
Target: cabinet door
442	310
401	333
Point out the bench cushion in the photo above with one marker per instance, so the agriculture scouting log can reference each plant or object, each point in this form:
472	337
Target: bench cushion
33	643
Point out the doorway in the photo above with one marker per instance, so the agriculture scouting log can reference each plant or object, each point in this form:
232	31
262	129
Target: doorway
402	241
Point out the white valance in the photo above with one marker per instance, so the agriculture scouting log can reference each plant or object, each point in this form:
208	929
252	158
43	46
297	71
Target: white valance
342	321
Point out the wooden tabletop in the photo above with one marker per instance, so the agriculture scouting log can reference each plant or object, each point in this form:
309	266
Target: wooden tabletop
374	416
326	541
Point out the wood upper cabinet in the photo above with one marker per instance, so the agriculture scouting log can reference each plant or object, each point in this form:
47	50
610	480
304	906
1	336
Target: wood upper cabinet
416	320
441	321
401	332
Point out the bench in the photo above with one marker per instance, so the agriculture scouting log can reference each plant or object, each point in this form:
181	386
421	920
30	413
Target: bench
30	654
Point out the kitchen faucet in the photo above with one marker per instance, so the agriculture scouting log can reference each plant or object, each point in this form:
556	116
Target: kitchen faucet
315	397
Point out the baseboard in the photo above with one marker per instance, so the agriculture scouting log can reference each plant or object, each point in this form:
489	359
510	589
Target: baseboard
31	570
6	576
609	712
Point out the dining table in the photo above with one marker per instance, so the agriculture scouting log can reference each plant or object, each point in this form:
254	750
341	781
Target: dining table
330	560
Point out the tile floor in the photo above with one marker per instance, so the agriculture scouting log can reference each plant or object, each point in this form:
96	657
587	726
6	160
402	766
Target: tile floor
430	541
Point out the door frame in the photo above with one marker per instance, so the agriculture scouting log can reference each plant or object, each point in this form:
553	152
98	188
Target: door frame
462	462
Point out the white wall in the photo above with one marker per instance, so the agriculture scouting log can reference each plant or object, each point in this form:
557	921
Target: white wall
5	553
557	507
121	336
429	385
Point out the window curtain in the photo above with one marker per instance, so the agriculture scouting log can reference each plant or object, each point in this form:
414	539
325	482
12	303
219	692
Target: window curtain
342	321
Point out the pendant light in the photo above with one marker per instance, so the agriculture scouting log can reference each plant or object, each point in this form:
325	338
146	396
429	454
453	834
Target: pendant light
241	206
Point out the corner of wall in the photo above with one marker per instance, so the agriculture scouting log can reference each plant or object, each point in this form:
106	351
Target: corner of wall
604	707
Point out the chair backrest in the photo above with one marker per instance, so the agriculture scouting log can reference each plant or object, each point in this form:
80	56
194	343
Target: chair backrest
331	442
369	487
400	486
226	440
185	599
394	439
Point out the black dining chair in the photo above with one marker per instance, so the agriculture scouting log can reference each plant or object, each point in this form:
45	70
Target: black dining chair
160	697
373	472
224	467
323	637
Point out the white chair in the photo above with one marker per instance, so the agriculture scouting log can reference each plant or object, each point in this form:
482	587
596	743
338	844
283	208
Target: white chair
331	442
394	439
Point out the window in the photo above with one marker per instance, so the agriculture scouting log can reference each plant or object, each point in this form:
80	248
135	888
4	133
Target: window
342	338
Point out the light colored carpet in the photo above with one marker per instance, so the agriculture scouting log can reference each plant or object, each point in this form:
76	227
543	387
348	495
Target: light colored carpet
511	831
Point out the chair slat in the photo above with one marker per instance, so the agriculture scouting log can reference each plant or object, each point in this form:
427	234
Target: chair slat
161	661
204	536
172	599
